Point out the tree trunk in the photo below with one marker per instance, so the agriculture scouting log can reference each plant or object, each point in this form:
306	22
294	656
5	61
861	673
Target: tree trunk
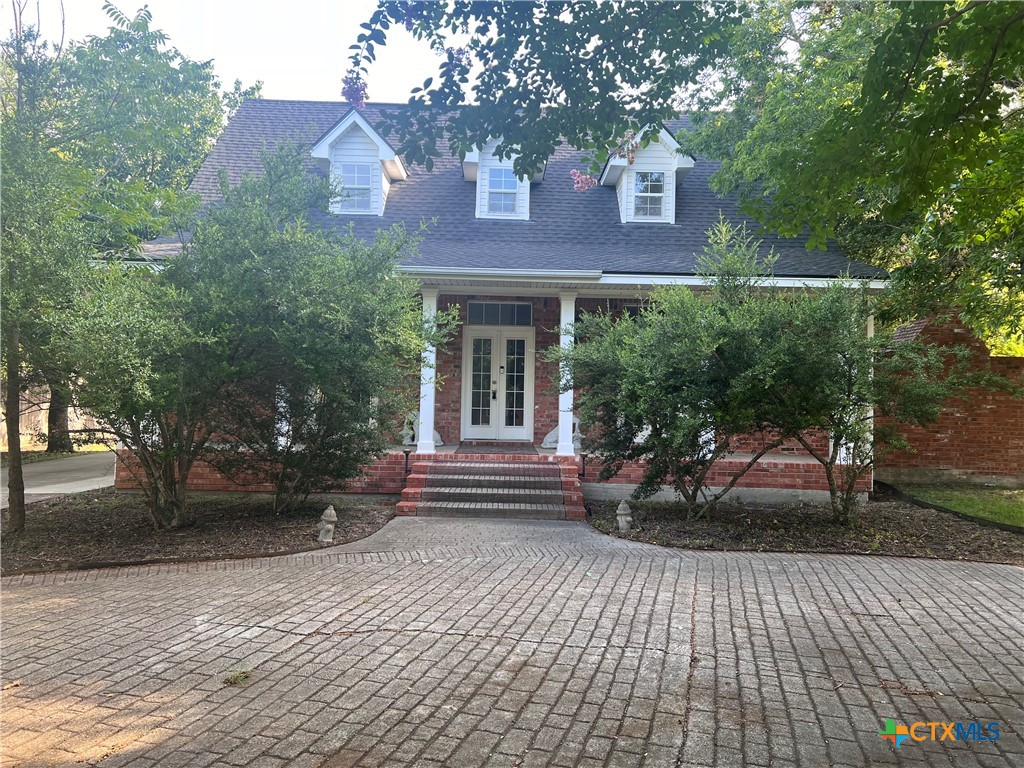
58	432
164	505
12	417
712	503
829	464
161	489
171	507
836	497
166	478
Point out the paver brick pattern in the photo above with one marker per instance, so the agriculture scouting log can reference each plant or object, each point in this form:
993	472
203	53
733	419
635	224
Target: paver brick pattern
511	643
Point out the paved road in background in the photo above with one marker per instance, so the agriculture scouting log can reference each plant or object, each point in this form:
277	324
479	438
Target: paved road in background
44	479
503	643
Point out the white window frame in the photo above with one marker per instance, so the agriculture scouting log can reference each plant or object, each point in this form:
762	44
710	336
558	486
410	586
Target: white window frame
503	191
647	196
345	201
499	304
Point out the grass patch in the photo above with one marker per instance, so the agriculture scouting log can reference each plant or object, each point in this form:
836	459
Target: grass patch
1001	505
237	677
34	457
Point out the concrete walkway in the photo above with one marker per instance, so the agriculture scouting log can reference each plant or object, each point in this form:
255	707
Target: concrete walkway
512	643
44	479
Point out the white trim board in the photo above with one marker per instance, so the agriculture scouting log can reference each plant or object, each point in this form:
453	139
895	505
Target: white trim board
598	279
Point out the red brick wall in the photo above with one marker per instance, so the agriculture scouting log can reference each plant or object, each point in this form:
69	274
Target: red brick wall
981	435
448	401
755	442
386	475
611	307
546	316
772	471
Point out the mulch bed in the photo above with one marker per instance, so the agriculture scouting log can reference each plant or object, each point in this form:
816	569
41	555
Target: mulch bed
105	528
884	526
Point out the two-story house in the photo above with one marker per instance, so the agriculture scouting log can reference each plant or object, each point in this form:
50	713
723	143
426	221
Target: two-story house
520	258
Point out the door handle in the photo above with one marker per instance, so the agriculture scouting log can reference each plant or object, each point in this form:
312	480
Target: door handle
494	389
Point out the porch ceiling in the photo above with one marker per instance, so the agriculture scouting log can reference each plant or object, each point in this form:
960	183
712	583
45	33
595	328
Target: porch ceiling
521	281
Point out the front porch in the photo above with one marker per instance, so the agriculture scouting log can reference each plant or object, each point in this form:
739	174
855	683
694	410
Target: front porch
492	383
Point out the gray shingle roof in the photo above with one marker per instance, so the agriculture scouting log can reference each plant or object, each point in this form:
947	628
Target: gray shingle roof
566	230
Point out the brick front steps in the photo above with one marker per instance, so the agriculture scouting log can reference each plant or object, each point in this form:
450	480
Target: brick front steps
509	486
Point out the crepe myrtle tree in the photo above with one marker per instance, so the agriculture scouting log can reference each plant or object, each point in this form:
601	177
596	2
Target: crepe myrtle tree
836	378
330	335
265	343
148	376
681	383
699	377
100	139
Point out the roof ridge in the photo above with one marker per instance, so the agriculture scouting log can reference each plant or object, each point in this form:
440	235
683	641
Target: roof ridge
338	102
342	102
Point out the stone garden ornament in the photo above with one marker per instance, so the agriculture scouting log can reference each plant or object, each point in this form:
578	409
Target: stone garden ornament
327	522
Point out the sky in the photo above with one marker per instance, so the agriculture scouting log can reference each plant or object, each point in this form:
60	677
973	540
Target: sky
298	48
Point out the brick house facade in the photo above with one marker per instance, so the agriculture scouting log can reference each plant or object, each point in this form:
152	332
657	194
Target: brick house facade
520	259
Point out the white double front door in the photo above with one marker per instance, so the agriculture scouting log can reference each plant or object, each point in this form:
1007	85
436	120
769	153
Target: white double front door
497	383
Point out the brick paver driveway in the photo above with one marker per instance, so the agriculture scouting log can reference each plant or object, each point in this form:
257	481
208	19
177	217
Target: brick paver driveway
501	643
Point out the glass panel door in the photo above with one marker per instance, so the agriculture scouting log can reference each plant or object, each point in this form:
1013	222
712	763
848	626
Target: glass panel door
497	384
515	382
480	386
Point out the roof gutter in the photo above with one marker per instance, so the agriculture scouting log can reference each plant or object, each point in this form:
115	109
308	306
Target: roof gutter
599	278
776	282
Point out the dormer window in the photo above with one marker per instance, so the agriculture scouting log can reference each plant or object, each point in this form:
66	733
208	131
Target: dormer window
502	186
647	178
500	194
356	185
649	194
362	163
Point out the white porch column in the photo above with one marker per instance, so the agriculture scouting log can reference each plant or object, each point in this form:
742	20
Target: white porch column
428	379
568	317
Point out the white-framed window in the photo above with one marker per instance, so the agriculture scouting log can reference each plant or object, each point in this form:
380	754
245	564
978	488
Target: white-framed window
649	195
499	313
356	184
502	188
